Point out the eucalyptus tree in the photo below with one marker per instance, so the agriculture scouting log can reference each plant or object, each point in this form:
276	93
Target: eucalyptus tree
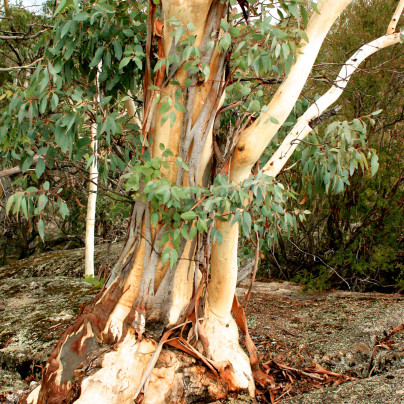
194	174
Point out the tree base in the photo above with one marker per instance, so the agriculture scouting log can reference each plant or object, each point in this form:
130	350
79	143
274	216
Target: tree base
114	377
223	337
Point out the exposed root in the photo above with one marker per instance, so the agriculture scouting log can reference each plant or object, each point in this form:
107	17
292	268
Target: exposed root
120	373
114	327
115	377
223	337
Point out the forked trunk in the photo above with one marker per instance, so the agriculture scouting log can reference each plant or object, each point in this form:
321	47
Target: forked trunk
102	357
110	354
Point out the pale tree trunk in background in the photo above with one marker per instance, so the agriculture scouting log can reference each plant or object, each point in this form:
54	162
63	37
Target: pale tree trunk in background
142	292
92	193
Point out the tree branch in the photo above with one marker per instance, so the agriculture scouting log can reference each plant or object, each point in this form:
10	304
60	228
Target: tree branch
30	66
15	170
23	37
256	138
303	126
396	16
316	121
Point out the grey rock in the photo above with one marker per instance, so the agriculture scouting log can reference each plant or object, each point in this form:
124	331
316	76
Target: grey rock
387	388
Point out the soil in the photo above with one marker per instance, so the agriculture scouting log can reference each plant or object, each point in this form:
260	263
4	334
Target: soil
340	347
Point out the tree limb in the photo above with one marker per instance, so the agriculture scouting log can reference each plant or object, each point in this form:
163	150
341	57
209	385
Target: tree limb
255	139
15	170
303	127
30	66
396	16
23	37
316	121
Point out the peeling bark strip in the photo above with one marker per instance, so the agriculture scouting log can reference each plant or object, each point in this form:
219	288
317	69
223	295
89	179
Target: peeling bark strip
107	355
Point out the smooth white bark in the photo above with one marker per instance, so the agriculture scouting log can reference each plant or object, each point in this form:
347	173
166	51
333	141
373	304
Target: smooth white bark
251	145
396	17
302	127
256	138
92	195
131	109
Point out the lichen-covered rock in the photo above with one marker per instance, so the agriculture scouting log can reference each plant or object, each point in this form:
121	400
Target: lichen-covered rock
11	381
388	388
33	314
63	263
343	332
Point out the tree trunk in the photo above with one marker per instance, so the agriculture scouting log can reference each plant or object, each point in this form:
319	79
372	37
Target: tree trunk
108	355
92	190
83	367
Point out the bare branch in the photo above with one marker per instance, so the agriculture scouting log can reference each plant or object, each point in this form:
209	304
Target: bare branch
15	170
316	121
30	66
23	37
396	16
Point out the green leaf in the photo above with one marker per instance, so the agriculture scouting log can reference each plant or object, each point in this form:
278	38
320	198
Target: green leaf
190	215
61	6
40	168
42	201
247	219
97	57
374	164
24	207
277	208
42	107
82	16
338	186
192	233
179	107
164	108
173	118
357	125
314	5
202	226
225	41
117	49
10	202
154	218
124	62
54	101
26	164
178	33
63	209
41	229
173	257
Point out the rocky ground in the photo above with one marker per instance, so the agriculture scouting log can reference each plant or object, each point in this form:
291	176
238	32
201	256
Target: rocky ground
357	337
337	347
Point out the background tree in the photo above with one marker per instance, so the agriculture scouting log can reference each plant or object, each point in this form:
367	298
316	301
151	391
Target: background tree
60	179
